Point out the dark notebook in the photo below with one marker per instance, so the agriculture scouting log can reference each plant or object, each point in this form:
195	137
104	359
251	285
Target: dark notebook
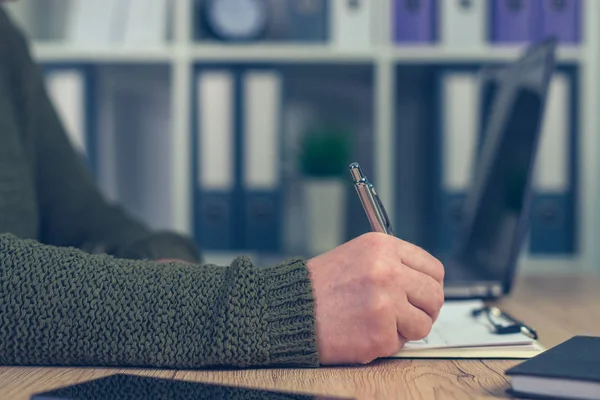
568	370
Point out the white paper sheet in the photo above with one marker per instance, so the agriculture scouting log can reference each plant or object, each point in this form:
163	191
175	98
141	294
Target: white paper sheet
456	327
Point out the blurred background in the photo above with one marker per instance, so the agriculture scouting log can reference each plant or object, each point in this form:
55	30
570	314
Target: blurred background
234	121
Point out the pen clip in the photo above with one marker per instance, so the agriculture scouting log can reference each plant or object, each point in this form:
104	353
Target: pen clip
386	219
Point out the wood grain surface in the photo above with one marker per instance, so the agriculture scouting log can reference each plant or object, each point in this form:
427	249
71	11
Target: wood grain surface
557	306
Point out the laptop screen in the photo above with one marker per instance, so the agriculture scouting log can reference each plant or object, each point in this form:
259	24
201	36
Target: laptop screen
497	206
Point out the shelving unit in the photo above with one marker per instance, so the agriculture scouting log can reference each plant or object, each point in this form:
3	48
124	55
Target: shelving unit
182	52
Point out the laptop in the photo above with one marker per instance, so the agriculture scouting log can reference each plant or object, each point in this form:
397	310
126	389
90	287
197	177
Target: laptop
496	212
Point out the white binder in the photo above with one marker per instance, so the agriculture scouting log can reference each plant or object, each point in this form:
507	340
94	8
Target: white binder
216	130
136	145
552	164
92	22
463	22
262	99
217	203
460	125
351	24
146	23
66	89
261	157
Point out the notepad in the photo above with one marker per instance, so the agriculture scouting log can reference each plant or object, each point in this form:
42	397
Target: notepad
569	370
458	334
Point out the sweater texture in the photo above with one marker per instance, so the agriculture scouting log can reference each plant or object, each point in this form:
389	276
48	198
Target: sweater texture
78	281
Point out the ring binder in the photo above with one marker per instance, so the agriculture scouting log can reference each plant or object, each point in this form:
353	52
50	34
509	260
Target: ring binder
514	327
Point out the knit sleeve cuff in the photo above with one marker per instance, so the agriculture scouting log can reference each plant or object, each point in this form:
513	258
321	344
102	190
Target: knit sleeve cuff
290	317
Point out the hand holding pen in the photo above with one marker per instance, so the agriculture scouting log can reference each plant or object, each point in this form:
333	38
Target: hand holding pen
375	292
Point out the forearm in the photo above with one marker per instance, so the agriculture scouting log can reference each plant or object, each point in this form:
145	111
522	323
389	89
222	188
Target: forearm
61	306
72	210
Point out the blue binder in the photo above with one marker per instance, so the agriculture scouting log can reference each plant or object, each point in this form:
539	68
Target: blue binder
216	192
514	21
260	170
416	155
459	128
414	21
81	75
561	19
237	200
554	223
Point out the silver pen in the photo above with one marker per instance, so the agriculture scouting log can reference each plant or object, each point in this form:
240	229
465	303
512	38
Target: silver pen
370	201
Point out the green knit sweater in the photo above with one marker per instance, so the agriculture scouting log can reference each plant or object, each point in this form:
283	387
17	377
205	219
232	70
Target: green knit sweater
77	282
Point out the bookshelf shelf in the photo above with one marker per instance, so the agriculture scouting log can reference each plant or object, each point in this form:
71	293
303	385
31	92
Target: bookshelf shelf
51	52
56	52
277	53
440	54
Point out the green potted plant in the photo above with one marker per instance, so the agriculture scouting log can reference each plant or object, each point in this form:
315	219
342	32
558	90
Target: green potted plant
324	158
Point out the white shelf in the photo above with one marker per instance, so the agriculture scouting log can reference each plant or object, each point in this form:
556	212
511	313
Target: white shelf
440	54
55	52
277	53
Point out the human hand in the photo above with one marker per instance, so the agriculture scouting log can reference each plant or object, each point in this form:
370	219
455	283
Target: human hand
372	295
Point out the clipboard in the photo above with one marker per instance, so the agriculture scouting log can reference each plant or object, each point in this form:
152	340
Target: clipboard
471	330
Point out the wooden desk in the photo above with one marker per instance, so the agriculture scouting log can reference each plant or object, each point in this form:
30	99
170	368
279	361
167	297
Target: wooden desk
557	306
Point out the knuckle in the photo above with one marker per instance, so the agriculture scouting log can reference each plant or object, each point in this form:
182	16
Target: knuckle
439	269
419	330
424	329
441	298
379	307
437	297
379	274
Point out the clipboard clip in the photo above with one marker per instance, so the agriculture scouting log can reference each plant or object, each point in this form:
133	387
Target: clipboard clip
514	325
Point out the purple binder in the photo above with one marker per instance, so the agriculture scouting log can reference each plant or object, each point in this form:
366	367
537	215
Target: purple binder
561	19
413	20
515	21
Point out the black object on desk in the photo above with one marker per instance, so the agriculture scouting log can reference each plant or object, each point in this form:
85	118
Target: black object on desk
134	387
514	325
569	370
